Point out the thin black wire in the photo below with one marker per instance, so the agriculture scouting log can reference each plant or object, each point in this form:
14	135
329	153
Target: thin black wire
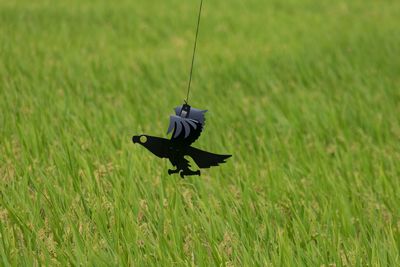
194	52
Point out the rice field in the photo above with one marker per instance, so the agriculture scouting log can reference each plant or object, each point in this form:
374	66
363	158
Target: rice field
304	94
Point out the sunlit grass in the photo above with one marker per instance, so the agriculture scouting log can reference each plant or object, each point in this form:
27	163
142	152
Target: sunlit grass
304	94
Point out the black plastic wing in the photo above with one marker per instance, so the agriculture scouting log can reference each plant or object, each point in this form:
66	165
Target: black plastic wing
195	114
206	159
186	130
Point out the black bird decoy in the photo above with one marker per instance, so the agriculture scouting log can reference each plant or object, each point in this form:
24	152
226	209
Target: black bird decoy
187	126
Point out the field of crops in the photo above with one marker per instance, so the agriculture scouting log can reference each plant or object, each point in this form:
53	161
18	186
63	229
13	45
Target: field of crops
304	93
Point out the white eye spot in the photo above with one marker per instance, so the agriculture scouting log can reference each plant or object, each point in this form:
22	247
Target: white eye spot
143	139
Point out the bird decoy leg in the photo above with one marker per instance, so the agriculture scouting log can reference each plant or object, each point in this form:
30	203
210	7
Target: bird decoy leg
189	172
170	171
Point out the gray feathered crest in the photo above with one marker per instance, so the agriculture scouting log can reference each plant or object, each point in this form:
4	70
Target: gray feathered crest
187	126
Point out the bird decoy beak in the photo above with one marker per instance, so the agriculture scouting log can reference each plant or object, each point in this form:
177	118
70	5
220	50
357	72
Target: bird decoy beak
136	139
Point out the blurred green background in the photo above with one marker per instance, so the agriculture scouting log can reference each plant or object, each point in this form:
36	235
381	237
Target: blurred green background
304	94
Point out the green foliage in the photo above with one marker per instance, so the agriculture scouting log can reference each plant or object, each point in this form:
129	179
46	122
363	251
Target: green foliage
304	94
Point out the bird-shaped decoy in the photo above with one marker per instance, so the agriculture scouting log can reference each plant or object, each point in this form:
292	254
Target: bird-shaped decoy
186	126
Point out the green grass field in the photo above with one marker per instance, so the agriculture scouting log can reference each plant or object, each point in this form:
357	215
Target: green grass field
304	94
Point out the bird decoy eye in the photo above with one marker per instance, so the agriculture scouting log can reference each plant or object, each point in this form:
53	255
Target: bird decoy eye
143	139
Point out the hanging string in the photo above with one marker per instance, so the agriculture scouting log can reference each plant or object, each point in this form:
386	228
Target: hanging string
194	52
